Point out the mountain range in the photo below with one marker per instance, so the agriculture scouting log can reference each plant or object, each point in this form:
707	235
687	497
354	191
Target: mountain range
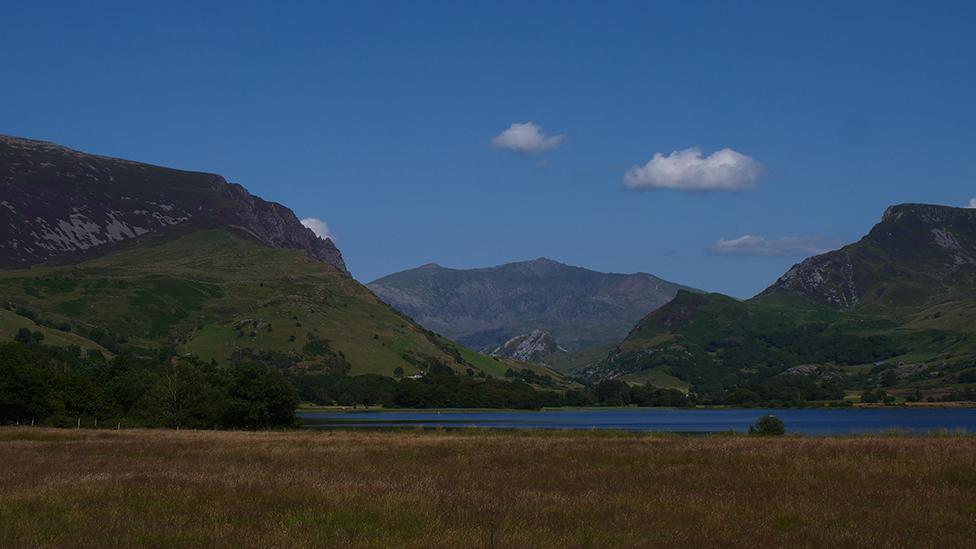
124	258
485	308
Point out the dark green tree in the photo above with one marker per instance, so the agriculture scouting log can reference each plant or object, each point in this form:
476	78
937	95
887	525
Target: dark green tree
768	426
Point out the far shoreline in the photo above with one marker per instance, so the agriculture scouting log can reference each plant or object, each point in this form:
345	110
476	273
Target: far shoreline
305	409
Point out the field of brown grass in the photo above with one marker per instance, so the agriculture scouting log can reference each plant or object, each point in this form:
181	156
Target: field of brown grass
480	489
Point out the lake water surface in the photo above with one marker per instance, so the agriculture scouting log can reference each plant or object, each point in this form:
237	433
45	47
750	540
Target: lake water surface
812	421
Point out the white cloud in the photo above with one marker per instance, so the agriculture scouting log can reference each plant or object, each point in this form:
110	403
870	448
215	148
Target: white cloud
319	227
786	246
688	170
972	203
526	138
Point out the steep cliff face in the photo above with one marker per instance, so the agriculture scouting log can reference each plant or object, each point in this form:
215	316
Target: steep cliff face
915	248
277	226
58	205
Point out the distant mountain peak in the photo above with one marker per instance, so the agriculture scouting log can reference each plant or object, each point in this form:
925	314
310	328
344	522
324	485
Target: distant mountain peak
484	308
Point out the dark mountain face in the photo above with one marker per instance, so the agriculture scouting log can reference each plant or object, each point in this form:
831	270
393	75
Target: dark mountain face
59	206
896	309
915	249
484	308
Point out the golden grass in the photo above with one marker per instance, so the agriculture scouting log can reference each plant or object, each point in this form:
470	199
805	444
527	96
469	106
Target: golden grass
480	489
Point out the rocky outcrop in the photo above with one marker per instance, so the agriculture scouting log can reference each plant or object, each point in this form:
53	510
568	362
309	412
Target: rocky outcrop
535	346
277	226
61	206
828	279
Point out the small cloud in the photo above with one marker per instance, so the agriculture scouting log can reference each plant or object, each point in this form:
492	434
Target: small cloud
319	227
689	170
526	138
766	247
972	203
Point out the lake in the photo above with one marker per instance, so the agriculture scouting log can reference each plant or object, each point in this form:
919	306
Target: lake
811	421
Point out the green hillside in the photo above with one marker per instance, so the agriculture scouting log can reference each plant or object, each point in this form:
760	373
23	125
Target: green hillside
894	312
219	296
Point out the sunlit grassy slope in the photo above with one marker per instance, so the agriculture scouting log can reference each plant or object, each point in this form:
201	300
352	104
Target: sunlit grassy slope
212	293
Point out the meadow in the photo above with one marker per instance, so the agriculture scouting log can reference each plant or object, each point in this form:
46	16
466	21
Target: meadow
474	488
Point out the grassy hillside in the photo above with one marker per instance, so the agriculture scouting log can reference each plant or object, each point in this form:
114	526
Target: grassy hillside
215	294
893	312
715	344
11	323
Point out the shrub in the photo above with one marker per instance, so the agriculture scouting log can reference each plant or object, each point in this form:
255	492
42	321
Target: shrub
27	337
768	426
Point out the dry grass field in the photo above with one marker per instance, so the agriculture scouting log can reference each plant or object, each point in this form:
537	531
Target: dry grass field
480	489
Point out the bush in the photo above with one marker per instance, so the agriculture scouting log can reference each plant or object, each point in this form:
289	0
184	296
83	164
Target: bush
768	426
27	337
874	397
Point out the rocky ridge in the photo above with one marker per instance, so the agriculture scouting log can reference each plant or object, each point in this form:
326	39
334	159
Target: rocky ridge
60	206
920	244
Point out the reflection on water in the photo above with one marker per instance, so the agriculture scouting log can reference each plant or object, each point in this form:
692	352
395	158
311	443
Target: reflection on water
817	421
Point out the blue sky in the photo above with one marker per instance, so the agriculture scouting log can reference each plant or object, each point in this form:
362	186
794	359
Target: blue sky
378	118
